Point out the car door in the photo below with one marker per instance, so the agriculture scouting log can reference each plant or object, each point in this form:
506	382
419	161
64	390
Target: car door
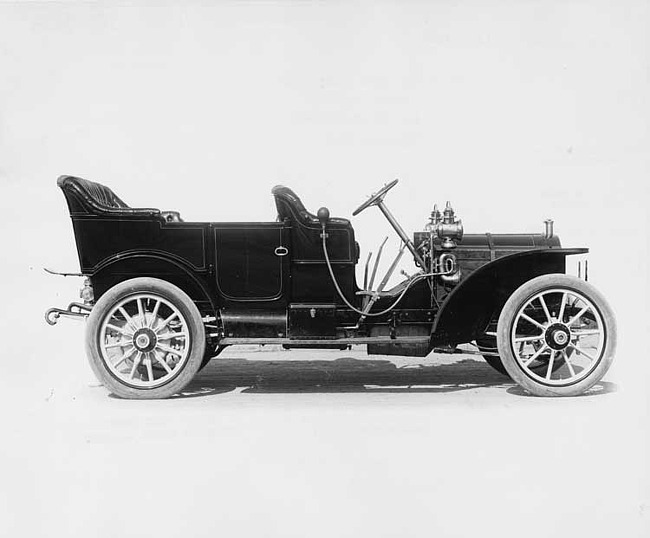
252	261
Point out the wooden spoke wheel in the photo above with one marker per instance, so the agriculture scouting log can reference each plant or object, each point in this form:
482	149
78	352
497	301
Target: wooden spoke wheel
556	336
145	339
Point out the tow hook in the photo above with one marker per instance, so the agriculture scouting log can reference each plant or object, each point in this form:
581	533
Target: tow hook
74	310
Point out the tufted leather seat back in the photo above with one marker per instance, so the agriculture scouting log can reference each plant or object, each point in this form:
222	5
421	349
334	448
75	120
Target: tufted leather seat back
307	229
84	196
101	194
289	206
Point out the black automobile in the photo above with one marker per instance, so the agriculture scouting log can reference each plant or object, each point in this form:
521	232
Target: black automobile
163	296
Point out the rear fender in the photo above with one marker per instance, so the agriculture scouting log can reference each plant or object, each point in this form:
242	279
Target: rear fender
157	265
468	309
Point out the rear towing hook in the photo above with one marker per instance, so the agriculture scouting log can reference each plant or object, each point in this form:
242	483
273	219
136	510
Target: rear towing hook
74	310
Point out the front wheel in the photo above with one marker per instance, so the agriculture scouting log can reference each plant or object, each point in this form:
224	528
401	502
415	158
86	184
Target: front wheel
487	344
556	336
145	339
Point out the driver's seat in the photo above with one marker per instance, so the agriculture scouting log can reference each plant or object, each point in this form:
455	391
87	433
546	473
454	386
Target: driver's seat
307	229
291	207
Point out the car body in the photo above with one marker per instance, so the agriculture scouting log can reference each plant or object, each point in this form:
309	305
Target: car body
291	281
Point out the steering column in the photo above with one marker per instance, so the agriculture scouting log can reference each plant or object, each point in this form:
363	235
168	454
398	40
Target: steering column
378	200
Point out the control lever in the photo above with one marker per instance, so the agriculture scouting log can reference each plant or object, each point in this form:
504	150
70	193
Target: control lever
365	272
375	294
374	269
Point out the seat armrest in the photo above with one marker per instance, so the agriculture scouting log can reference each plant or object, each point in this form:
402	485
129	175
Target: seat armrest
171	216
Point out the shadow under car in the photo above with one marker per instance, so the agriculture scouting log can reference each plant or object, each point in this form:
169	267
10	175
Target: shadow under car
348	374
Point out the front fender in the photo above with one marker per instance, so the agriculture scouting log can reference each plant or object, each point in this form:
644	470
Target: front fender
468	309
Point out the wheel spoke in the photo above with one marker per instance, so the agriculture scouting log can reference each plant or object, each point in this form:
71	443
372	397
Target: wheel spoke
136	363
119	344
162	362
529	338
128	318
124	357
141	312
586	332
168	349
154	315
562	306
582	352
164	323
169	336
568	363
531	320
548	314
549	371
118	329
577	316
537	354
147	363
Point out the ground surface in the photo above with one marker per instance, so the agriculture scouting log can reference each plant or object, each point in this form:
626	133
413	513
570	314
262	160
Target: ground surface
301	443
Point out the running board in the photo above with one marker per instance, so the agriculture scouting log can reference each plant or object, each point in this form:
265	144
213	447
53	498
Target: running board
229	341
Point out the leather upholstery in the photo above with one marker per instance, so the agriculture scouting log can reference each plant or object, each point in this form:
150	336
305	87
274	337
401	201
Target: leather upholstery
291	207
84	196
307	229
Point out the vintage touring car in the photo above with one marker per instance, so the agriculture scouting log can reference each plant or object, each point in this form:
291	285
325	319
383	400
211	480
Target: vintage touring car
163	296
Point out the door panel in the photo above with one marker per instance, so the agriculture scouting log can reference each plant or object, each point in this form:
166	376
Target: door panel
248	264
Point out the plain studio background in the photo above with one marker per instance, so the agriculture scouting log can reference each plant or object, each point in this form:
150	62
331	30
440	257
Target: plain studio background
514	111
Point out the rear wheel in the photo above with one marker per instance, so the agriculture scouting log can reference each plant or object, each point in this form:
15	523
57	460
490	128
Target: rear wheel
145	339
556	336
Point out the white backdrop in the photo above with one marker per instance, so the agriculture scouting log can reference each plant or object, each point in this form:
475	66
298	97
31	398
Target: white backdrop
514	111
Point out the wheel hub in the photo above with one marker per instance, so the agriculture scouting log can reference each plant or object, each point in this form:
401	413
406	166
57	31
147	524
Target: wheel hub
557	336
144	340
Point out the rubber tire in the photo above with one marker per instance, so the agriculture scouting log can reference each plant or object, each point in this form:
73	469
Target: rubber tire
507	317
180	300
490	342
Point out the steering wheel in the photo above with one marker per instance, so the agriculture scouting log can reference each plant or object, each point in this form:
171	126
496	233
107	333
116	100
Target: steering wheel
375	198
